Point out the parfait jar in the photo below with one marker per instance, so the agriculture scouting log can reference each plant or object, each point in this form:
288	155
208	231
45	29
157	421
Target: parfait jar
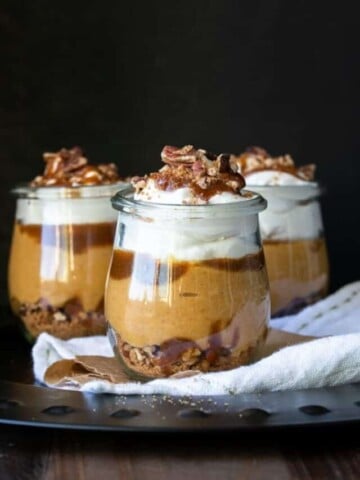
294	245
60	252
187	288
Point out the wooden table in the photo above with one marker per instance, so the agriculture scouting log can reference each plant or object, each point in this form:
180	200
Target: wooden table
39	454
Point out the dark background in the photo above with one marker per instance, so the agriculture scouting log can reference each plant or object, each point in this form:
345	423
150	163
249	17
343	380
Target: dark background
121	79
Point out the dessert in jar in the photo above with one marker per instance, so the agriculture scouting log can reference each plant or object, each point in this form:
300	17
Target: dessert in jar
61	246
291	229
187	288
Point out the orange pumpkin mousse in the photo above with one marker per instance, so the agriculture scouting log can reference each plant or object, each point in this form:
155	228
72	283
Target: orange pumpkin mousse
291	229
187	288
61	246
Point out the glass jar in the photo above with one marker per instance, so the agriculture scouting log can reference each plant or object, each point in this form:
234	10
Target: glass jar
294	245
60	253
187	288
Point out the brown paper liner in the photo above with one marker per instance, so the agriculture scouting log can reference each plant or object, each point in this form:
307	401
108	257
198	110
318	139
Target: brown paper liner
84	368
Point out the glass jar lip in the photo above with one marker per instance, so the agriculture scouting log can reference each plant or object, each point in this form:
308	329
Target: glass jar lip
124	201
310	190
24	190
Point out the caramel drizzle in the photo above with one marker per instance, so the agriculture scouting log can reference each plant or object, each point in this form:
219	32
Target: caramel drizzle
151	271
77	237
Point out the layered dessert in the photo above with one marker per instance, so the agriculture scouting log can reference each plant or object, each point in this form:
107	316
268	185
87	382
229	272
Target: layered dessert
291	229
187	289
61	246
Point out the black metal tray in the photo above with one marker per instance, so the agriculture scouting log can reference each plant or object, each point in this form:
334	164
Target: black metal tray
22	402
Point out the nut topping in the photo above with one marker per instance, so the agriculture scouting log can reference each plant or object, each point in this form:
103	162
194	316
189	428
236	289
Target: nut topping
204	173
223	163
185	155
307	172
70	168
256	159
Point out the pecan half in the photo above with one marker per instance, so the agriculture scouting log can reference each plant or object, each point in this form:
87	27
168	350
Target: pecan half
73	159
174	155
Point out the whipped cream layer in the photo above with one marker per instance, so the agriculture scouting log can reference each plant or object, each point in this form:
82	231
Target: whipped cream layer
207	217
189	239
65	206
293	212
182	196
274	177
65	211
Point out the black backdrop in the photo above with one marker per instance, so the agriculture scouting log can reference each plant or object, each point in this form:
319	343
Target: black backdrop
121	79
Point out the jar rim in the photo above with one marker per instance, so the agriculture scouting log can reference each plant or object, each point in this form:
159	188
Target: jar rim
124	201
311	190
24	190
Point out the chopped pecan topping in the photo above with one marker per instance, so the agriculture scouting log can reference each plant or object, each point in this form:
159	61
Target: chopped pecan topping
205	173
257	151
256	159
307	172
174	155
70	168
223	163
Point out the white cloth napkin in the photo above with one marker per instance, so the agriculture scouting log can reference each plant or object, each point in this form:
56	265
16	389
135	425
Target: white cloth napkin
328	361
